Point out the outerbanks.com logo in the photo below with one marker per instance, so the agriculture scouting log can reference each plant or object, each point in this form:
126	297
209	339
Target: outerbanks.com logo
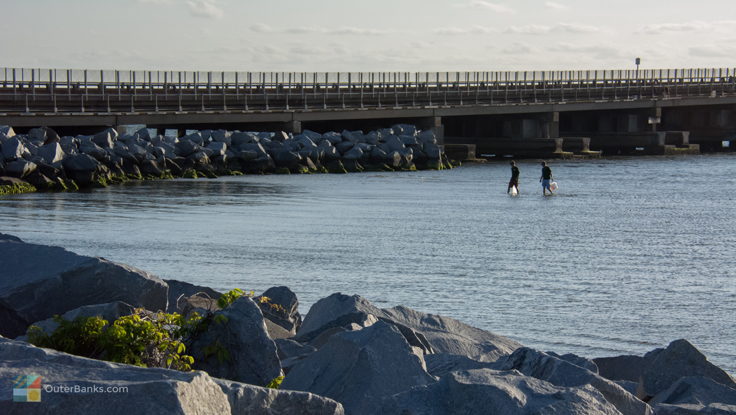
27	388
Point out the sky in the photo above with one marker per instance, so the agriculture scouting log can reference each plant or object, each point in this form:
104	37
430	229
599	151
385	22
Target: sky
367	35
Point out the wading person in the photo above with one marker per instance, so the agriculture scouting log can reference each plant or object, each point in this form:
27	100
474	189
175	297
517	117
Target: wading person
546	178
514	182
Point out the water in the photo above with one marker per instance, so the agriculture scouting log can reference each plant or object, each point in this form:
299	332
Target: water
628	256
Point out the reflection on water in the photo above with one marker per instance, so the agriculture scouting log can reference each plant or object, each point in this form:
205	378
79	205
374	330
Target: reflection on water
629	255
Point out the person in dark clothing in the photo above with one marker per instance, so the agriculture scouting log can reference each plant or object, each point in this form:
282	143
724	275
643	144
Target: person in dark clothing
546	178
514	182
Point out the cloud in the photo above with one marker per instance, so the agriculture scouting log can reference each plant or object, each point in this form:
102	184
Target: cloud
165	2
559	28
345	30
590	51
693	26
205	8
498	8
556	6
458	31
712	51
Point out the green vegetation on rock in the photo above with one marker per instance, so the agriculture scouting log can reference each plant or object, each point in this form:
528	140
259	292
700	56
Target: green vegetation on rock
13	189
142	339
189	174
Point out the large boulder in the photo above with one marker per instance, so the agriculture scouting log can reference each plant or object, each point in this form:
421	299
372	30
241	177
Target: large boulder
678	360
6	131
13	149
20	168
82	168
51	153
561	372
253	400
430	332
236	346
179	290
442	364
447	335
695	394
658	369
123	389
486	391
281	306
359	368
39	281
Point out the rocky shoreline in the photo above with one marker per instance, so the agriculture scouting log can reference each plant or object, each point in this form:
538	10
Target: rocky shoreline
346	356
42	160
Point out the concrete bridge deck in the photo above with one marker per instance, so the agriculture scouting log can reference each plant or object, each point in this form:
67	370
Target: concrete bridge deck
517	106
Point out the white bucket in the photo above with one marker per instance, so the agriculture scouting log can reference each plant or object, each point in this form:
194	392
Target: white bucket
553	186
513	191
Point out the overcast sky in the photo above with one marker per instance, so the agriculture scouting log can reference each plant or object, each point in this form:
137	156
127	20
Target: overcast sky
367	35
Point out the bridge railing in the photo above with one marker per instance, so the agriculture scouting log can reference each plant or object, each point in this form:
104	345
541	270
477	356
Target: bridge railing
83	78
60	91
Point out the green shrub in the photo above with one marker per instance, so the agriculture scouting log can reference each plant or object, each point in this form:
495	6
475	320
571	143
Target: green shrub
141	339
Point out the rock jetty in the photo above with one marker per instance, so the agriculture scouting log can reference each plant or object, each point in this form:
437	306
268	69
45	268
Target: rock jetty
43	160
346	356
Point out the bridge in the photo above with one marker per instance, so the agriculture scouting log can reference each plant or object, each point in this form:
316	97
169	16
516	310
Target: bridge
521	113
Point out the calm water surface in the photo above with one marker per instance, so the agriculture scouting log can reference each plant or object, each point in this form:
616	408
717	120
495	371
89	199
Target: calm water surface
629	255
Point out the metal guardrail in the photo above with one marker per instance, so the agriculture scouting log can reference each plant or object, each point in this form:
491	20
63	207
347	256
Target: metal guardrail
67	90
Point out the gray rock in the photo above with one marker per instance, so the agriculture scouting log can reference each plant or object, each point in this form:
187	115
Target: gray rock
105	139
217	147
108	311
181	289
627	367
7	131
332	137
247	353
360	368
439	334
92	149
353	154
154	391
408	140
313	136
393	143
286	158
221	136
432	151
560	372
20	168
404	129
577	360
33	290
151	168
427	136
290	352
442	364
486	391
379	155
678	360
13	149
658	369
253	400
51	153
447	335
344	146
186	147
199	158
82	168
237	139
282	308
695	394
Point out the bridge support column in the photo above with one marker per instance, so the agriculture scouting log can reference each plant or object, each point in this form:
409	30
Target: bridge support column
293	126
434	124
551	125
655	118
